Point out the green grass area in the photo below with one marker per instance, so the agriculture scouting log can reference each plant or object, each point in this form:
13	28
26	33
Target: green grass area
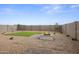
24	33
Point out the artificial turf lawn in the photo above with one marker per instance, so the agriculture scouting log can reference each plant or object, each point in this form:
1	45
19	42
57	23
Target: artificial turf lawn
24	33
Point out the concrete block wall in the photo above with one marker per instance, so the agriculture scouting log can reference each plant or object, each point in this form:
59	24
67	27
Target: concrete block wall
12	28
8	28
45	28
71	29
35	28
3	28
28	28
38	28
78	30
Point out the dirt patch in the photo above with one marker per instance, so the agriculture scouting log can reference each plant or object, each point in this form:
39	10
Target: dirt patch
31	45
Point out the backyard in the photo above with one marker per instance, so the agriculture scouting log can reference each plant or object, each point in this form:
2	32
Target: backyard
30	43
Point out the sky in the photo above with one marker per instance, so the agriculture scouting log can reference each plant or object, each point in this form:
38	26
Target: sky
38	14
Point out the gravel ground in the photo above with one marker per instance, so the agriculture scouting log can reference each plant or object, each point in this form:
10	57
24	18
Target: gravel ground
59	44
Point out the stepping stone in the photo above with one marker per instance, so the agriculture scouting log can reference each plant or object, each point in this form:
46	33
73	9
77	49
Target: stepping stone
68	35
11	38
74	39
54	33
